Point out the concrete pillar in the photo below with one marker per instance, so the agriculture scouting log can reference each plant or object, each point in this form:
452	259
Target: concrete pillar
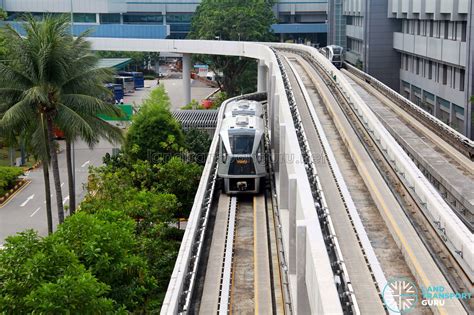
187	78
292	187
302	303
283	202
262	76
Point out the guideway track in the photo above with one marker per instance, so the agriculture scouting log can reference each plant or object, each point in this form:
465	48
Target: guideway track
238	275
363	267
451	173
417	256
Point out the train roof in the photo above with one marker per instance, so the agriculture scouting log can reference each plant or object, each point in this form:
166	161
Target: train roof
244	108
242	123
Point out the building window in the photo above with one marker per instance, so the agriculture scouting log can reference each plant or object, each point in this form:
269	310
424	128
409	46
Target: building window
178	18
405	26
109	18
428	102
445	74
84	18
462	74
417	65
463	31
458	109
445	25
143	19
430	69
453	80
407	60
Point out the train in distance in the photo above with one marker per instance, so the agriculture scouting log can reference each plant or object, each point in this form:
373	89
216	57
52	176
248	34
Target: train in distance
335	54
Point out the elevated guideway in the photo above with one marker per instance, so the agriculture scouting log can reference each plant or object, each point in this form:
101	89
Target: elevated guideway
325	223
450	171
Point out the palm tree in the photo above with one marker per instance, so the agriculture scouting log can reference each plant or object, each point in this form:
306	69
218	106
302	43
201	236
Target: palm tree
51	81
81	93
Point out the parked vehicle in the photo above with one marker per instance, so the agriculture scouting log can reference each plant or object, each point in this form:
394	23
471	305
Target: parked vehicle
117	91
127	83
138	78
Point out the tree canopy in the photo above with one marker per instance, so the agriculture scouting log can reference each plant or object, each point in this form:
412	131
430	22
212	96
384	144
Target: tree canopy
245	20
154	131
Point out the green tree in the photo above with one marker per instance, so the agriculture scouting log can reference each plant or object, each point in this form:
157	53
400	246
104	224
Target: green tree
105	243
3	51
154	131
246	20
197	142
181	179
44	85
44	276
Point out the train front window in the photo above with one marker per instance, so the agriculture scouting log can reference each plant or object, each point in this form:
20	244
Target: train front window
241	144
336	51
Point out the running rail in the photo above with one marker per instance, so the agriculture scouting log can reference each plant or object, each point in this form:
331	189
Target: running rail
450	135
457	237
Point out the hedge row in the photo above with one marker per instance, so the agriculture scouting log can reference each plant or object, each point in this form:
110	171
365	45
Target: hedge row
8	177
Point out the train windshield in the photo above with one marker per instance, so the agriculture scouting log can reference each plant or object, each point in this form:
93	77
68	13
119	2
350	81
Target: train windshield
336	51
241	144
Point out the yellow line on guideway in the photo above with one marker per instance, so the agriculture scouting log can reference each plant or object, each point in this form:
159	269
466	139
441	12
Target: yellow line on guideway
373	187
255	257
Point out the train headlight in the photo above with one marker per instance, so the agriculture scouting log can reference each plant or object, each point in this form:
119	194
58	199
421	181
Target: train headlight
224	155
260	153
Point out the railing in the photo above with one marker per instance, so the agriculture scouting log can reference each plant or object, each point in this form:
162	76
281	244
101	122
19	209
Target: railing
451	136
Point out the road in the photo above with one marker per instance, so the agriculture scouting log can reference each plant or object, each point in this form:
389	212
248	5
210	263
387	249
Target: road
27	210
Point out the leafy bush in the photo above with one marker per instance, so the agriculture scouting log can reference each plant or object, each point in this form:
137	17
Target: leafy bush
218	99
149	77
181	179
154	130
44	276
8	176
197	143
105	243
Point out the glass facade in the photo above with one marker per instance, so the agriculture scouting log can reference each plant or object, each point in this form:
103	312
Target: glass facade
110	18
142	18
84	18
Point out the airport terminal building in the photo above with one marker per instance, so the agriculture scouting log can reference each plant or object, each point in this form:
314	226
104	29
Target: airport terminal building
302	21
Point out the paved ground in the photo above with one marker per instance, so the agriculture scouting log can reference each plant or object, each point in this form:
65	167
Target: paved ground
174	88
27	209
141	94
